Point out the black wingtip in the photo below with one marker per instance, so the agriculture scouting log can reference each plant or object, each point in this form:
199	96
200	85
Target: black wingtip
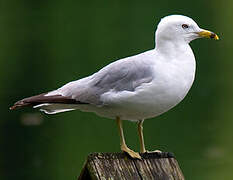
41	98
12	107
18	105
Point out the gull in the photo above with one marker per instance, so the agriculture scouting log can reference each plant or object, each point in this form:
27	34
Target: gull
133	88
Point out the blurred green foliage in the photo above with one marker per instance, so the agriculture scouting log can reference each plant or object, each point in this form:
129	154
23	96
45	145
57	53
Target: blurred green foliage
44	44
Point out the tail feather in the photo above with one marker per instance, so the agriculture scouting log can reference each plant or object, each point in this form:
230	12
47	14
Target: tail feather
42	98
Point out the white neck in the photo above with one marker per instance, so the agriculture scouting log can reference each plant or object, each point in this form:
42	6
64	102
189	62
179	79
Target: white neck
172	48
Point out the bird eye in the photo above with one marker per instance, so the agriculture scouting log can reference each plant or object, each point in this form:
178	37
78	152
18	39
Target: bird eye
185	26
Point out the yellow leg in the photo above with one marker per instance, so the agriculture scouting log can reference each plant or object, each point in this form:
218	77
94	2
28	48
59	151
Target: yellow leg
141	138
122	141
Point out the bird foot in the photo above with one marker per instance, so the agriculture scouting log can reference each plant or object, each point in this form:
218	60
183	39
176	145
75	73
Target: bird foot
131	153
155	151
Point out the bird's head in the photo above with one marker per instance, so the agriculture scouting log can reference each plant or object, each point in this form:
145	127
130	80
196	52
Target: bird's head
181	28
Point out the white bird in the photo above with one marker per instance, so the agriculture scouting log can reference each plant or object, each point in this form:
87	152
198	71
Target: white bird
137	87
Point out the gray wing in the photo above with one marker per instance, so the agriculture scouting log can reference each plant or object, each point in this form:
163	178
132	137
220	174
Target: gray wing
122	75
118	76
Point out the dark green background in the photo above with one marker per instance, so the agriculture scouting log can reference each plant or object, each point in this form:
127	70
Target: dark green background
45	44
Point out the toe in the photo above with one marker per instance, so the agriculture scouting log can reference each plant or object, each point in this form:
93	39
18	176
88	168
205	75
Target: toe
156	151
131	153
134	155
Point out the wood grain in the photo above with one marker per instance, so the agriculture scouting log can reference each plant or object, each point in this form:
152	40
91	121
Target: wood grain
114	166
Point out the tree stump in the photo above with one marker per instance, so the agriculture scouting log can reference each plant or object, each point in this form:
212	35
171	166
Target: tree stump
114	166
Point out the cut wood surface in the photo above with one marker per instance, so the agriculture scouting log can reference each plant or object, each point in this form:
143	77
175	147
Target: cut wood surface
114	166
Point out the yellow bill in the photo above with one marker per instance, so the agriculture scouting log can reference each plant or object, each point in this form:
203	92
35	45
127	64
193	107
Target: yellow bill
208	34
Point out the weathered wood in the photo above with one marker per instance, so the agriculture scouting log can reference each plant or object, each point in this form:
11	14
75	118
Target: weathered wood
114	166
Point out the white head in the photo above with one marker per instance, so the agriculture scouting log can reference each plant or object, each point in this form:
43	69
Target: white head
180	28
